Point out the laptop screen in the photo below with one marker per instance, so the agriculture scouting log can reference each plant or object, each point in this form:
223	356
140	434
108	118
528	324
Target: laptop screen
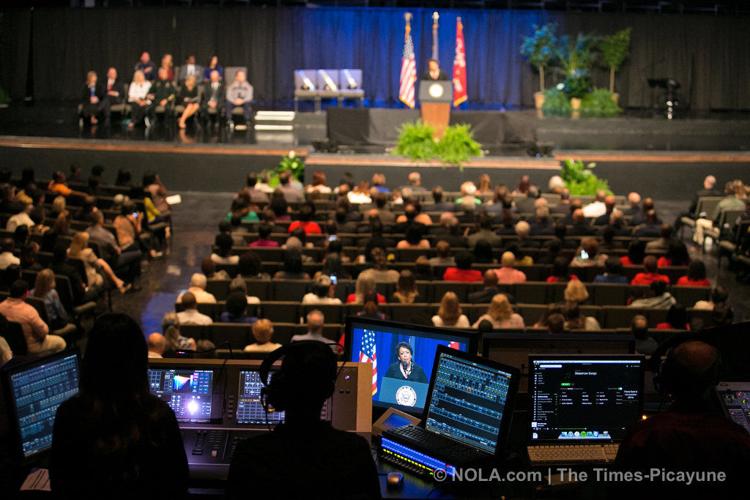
735	400
584	398
469	400
186	390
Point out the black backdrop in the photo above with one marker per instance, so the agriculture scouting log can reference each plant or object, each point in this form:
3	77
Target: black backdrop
709	55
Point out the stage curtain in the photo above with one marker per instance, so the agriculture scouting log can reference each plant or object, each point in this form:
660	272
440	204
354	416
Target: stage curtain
707	54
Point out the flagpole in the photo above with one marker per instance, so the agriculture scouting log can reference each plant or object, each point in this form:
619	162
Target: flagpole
435	17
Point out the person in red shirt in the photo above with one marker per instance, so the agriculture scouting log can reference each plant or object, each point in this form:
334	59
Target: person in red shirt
649	274
264	237
304	220
559	273
696	275
462	270
636	253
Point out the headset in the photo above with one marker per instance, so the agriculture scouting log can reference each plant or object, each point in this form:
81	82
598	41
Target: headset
664	370
277	393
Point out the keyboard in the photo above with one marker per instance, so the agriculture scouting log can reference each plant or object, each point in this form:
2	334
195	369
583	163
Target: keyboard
430	441
573	453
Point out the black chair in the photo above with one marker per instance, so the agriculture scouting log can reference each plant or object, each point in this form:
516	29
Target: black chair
13	335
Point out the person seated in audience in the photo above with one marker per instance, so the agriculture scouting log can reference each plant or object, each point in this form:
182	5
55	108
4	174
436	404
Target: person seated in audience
157	345
443	255
239	95
662	243
92	99
656	297
500	199
197	289
634	204
360	194
213	97
322	292
579	226
553	308
642	216
556	323
524	185
262	333
264	237
604	218
596	208
551	250
734	199
575	204
560	272
249	267
575	292
62	266
208	268
95	268
468	198
485	185
59	186
370	308
292	266
617	224
138	98
116	442
523	231
696	275
131	237
125	259
462	270
386	216
677	319
319	184
485	232
644	343
190	315
170	327
449	230
315	322
709	189
489	290
280	206
406	288
574	320
291	193
650	227
693	434
423	270
236	308
636	254
188	97
305	221
223	253
484	253
677	255
35	330
6	353
29	257
649	274
379	184
500	314
364	286
718	303
238	284
507	274
379	270
412	216
333	265
7	257
588	254
542	224
413	239
438	205
449	313
254	194
44	289
414	185
613	273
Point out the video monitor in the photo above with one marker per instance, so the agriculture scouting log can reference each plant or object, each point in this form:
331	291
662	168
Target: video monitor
250	410
188	391
402	357
34	391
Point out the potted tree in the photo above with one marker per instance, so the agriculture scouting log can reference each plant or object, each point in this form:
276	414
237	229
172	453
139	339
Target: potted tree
539	50
575	59
615	49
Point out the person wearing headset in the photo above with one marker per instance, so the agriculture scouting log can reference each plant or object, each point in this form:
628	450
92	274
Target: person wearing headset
305	457
692	435
405	368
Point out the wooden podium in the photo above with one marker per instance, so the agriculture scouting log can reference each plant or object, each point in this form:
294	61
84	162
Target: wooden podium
435	98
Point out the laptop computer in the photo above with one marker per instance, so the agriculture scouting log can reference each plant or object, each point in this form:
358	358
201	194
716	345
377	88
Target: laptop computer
466	418
735	401
582	405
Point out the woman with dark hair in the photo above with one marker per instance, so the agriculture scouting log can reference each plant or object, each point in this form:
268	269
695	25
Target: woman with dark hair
677	319
462	271
370	307
333	266
114	439
559	272
280	206
613	273
249	266
292	267
676	255
406	288
223	254
483	252
413	239
236	308
696	275
305	220
636	253
213	65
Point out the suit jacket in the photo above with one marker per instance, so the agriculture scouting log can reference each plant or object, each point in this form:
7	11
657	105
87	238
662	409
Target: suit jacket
117	86
442	76
149	70
86	93
219	95
198	73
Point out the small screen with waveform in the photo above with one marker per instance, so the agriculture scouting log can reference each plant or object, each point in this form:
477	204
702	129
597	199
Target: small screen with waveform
468	402
250	410
37	392
187	391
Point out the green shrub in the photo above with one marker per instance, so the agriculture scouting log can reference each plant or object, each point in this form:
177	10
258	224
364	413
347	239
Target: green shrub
580	180
458	145
599	104
415	141
556	103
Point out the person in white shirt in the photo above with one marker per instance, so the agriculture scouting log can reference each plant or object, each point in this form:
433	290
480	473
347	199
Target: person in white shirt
360	194
262	333
22	218
318	184
322	292
157	344
315	322
597	207
7	258
190	315
138	98
197	288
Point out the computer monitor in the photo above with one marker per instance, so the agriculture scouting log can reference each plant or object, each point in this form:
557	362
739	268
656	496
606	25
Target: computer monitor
402	357
584	398
471	399
34	391
250	410
735	400
187	390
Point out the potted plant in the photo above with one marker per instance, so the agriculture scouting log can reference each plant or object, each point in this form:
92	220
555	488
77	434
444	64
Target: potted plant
575	59
599	103
556	103
539	49
615	49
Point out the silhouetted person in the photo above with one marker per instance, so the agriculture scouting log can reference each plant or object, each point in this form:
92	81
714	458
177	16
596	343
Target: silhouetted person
304	457
114	439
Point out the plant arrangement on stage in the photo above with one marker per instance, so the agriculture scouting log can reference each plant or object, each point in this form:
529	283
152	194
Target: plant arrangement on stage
289	163
615	49
556	103
580	180
539	48
575	60
416	142
599	104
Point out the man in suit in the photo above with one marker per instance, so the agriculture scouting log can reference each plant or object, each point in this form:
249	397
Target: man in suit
146	65
213	96
113	91
191	69
434	73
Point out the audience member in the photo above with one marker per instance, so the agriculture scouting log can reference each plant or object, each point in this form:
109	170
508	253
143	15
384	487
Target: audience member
406	288
462	270
677	319
170	327
489	290
449	313
657	297
315	322
236	309
197	289
574	320
44	289
443	255
507	274
696	275
613	273
322	292
262	333
35	331
560	272
500	314
556	323
157	345
190	315
292	267
7	258
644	343
649	274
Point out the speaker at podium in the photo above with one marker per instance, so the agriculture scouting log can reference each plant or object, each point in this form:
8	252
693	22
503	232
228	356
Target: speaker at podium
435	98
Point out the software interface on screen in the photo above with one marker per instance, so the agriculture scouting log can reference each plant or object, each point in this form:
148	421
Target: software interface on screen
584	399
736	402
402	360
468	402
37	393
187	391
250	410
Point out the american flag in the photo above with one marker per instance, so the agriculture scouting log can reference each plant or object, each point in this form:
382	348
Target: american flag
367	355
408	70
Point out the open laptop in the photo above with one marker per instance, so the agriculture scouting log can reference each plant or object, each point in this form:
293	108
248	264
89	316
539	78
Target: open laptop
466	417
582	405
735	400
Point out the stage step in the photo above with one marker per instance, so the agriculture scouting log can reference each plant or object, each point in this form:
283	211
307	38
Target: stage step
278	121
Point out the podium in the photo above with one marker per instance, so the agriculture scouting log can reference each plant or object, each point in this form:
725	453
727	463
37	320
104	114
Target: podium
435	97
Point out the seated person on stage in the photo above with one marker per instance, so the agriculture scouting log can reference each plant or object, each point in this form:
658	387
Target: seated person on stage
167	64
239	95
116	440
434	72
146	66
138	98
692	435
405	368
213	96
304	457
113	91
191	69
162	94
188	97
213	65
91	99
